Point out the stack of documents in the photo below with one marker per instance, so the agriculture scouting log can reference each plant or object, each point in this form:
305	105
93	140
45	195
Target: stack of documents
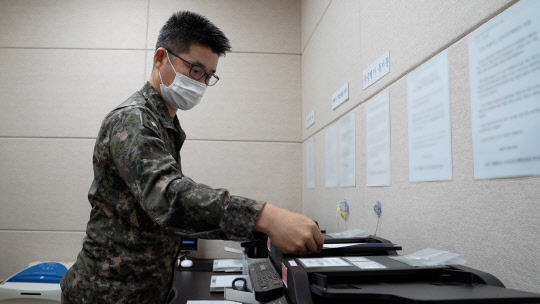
228	265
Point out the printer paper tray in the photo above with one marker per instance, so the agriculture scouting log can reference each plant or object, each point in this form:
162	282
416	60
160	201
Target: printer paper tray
420	292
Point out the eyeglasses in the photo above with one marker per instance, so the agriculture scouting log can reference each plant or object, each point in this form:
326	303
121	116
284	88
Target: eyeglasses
197	72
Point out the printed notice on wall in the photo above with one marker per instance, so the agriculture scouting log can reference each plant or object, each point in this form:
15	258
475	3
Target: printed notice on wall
347	150
310	119
310	163
378	140
331	156
430	142
340	96
504	68
377	70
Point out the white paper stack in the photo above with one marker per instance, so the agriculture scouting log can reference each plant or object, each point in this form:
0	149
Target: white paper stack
228	265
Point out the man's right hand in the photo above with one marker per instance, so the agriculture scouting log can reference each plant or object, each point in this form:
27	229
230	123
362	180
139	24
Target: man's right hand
291	232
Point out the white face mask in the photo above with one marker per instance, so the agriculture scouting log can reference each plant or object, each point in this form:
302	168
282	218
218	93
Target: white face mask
184	92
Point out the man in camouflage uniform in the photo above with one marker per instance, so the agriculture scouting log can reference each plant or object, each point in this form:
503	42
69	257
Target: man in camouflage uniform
142	203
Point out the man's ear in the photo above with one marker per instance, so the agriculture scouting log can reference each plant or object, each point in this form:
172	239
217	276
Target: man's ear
159	57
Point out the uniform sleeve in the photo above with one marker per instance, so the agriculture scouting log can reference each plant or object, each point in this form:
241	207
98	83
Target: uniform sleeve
172	200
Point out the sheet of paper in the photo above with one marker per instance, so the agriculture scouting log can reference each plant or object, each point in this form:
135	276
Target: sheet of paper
430	138
226	280
310	163
365	263
378	140
323	262
504	68
347	134
233	250
369	265
211	302
331	156
229	263
357	259
339	245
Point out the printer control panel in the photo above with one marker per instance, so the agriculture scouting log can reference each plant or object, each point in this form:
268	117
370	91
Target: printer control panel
267	284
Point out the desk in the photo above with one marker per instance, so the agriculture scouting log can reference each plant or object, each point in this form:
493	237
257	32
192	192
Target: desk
194	283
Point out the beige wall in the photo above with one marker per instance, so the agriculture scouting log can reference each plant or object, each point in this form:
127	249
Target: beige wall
67	63
495	223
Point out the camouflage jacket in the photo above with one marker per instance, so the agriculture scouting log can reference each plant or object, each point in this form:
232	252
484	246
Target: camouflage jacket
142	204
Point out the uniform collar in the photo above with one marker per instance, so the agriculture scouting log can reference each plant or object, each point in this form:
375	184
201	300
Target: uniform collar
156	103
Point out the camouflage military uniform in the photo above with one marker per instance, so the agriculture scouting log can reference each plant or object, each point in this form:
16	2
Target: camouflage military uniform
142	204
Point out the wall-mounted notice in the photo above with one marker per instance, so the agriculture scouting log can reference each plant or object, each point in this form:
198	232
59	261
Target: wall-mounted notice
310	163
378	140
340	96
347	134
504	68
331	156
430	141
377	70
310	119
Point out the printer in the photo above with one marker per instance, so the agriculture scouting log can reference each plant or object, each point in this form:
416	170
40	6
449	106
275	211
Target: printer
38	283
366	272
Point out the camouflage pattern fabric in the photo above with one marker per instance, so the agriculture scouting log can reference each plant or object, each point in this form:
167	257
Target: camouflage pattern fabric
142	204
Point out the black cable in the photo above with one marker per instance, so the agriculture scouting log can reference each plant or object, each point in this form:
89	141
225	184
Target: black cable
378	219
243	287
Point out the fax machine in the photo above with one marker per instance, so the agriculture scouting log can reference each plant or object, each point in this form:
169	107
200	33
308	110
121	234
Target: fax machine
367	272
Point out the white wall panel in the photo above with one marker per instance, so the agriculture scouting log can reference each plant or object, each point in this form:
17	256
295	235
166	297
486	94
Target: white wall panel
73	24
331	59
57	93
44	183
264	171
269	26
353	34
256	98
413	31
311	14
50	178
20	248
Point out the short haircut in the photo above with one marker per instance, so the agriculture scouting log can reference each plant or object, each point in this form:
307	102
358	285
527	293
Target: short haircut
186	28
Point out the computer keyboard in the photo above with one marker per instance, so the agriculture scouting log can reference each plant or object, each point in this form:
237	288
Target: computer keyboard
266	281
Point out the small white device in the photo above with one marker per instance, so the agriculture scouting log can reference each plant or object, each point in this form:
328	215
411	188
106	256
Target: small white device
186	263
38	283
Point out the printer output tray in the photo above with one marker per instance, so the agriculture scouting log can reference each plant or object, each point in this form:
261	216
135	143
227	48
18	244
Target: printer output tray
419	293
445	284
398	283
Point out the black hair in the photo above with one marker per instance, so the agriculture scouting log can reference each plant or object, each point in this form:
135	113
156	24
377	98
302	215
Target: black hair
185	28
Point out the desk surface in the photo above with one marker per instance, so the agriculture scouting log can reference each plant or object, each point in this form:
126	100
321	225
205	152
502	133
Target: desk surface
194	283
